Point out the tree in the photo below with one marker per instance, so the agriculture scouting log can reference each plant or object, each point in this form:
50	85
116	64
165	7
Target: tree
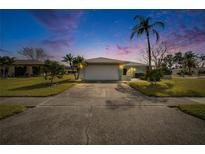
158	54
33	53
167	64
201	64
178	59
68	58
5	62
52	70
40	54
201	61
169	61
190	61
145	27
78	63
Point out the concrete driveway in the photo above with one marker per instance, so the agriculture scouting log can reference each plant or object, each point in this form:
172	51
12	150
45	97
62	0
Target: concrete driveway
101	113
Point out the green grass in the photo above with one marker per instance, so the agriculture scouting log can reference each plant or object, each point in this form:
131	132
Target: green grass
33	86
197	110
8	110
174	87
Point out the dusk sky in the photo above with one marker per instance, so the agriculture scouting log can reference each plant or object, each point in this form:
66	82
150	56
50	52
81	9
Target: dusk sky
97	33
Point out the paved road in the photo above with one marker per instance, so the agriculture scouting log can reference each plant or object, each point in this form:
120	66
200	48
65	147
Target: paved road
107	113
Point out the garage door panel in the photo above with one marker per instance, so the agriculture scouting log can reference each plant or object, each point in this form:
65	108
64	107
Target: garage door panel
102	72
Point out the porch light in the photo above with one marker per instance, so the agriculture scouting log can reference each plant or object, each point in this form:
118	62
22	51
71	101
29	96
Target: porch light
81	66
121	66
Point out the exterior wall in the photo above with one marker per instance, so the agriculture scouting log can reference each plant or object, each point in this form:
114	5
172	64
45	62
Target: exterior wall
136	69
11	71
29	70
101	72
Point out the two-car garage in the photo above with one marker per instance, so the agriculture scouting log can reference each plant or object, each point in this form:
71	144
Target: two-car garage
102	72
101	68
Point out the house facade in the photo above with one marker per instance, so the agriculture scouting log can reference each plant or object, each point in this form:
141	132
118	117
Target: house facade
25	68
106	69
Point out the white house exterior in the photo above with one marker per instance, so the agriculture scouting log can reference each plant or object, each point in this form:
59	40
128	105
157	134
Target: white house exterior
106	69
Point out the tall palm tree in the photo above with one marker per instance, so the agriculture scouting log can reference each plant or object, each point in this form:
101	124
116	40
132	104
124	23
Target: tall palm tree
145	27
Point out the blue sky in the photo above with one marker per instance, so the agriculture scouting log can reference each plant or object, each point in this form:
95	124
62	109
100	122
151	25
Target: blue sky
94	33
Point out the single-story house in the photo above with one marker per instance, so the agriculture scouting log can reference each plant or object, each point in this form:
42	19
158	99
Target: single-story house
25	68
110	69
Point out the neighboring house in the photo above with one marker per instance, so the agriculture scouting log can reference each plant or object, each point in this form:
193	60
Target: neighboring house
25	68
110	69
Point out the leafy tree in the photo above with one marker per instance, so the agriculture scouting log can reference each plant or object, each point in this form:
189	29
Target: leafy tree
5	62
145	27
52	70
33	53
178	59
168	63
78	63
200	63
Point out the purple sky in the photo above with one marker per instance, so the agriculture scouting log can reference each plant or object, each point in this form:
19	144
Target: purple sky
94	33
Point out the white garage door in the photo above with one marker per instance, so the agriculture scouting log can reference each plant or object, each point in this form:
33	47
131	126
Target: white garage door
102	72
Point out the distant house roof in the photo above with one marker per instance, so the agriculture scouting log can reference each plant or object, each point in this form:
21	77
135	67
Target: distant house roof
133	64
28	62
103	60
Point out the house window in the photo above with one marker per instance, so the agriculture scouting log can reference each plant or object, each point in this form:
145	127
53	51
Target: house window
124	71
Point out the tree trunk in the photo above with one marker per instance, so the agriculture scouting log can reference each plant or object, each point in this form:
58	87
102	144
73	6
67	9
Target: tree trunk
149	52
51	83
78	74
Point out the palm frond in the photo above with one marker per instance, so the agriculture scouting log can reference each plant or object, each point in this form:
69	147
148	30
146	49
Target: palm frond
141	18
147	20
156	34
158	23
132	35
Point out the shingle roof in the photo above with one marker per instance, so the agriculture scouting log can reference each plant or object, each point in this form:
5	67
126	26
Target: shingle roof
28	62
103	60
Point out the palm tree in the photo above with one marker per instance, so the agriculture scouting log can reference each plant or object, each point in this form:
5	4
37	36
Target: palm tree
145	27
68	58
190	61
79	63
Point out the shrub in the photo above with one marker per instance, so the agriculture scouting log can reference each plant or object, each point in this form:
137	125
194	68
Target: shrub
166	70
155	75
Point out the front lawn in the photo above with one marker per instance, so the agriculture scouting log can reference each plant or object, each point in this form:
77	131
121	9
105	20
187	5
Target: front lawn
8	110
197	110
174	87
33	86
